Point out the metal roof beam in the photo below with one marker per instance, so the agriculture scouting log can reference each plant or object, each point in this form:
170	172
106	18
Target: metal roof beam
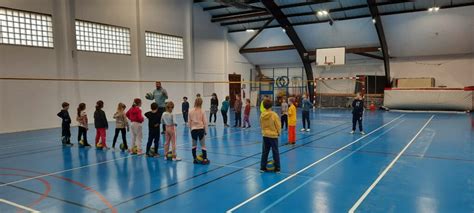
281	18
255	35
364	16
342	9
374	11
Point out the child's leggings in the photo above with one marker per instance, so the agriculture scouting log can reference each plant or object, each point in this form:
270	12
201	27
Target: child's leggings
292	134
100	137
137	135
170	135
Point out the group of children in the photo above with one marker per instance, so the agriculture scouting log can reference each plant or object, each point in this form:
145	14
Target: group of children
132	121
271	124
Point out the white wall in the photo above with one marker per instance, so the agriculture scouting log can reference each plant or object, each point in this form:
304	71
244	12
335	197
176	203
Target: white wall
215	56
92	65
454	71
30	105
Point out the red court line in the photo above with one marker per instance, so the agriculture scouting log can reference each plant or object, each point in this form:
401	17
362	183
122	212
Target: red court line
45	183
87	188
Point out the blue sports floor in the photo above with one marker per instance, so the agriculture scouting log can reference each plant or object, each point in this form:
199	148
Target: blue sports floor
405	163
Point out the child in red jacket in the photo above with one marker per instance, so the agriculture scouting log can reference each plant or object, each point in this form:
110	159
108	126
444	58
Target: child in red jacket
135	116
247	114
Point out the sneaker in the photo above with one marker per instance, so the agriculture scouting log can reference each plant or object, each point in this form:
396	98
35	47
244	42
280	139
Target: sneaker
352	132
303	129
249	126
195	161
277	171
307	130
176	159
362	132
150	155
263	170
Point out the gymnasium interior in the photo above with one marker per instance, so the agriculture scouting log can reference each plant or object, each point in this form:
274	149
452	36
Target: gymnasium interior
409	63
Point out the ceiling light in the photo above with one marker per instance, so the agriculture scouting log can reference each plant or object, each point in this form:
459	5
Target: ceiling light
433	9
373	21
322	13
249	30
283	30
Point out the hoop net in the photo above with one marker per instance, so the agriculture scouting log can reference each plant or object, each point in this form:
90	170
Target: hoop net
327	65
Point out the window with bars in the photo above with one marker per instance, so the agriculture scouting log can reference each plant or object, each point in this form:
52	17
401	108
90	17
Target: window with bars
163	46
25	28
95	37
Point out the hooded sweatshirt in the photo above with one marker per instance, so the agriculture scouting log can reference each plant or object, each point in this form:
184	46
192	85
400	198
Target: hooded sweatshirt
270	124
292	115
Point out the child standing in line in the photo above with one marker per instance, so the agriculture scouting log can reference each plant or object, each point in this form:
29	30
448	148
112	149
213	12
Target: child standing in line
213	110
357	113
284	114
65	125
271	129
154	121
238	111
197	123
185	110
121	125
168	120
83	125
247	114
225	109
101	124
306	107
292	122
134	114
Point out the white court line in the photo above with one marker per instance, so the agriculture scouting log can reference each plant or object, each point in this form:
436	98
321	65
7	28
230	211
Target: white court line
361	199
309	166
19	206
67	170
72	169
329	168
81	167
27	144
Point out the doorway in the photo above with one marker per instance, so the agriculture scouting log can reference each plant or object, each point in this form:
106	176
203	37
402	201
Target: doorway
234	88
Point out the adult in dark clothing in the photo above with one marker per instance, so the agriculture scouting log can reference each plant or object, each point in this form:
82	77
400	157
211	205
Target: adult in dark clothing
185	109
357	113
213	110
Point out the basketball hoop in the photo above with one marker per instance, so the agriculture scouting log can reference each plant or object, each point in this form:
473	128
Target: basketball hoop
327	65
